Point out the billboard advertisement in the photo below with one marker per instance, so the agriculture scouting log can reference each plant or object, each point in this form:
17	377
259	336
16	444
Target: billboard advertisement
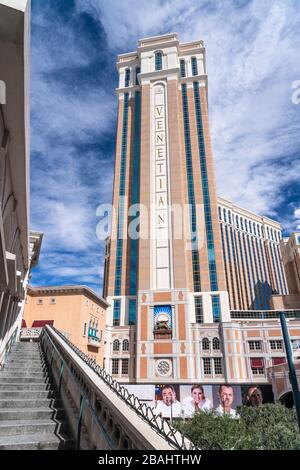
183	401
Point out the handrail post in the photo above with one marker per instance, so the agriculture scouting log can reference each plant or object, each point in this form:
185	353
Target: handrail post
60	376
79	422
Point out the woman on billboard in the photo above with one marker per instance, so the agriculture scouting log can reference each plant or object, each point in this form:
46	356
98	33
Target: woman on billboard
196	402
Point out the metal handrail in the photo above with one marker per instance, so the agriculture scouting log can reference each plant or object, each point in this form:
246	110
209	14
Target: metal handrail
173	436
83	397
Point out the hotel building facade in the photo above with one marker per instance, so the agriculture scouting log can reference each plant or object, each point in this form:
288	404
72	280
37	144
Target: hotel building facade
190	306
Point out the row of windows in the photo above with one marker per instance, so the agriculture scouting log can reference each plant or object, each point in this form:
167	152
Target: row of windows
246	266
117	345
206	344
120	365
119	251
191	191
159	66
52	301
205	192
275	345
248	225
135	200
183	67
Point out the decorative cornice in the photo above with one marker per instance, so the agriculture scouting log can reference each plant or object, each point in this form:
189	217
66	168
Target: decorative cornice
73	290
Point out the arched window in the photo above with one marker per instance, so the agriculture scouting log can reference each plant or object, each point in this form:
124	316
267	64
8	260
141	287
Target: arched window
194	66
116	345
229	217
127	77
158	61
250	227
220	213
125	346
205	344
224	215
182	68
237	222
246	225
216	344
242	223
137	71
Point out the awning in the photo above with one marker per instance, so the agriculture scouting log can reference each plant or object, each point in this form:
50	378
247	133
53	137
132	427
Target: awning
42	323
257	362
278	360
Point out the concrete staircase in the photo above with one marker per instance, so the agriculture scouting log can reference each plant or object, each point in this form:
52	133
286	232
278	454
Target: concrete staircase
31	415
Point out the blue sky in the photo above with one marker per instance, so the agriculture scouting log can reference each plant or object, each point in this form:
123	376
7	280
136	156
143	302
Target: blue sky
252	61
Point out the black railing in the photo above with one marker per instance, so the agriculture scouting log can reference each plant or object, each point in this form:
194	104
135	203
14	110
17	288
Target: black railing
262	314
84	400
161	426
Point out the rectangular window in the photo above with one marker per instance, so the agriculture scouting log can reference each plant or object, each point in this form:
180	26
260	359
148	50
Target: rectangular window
125	366
276	345
39	301
257	366
216	308
132	312
84	329
295	344
117	311
207	366
199	309
218	365
53	301
194	66
182	68
254	345
115	367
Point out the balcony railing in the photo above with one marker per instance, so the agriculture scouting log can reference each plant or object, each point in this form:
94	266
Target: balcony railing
30	333
162	333
94	341
262	314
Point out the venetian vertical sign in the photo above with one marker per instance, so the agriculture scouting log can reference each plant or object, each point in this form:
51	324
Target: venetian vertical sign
161	223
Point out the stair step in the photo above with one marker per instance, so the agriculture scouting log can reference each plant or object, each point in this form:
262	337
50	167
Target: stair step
34	442
26	394
26	386
24	379
31	426
31	413
27	403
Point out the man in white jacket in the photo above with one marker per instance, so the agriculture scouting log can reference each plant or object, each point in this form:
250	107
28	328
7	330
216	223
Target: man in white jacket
168	407
226	399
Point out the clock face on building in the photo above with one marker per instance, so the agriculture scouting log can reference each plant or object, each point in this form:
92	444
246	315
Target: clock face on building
164	367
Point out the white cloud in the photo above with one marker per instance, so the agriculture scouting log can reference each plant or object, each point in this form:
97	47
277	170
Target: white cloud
252	60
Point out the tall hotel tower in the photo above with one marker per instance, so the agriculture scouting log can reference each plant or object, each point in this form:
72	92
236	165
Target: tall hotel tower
161	285
169	318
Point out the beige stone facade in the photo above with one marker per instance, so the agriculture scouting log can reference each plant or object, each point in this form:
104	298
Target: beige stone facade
76	311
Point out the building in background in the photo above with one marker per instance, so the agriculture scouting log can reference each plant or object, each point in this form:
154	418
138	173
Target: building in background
14	166
76	311
252	256
290	248
194	309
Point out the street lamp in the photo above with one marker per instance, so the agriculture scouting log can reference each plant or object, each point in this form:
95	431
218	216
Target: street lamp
291	365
